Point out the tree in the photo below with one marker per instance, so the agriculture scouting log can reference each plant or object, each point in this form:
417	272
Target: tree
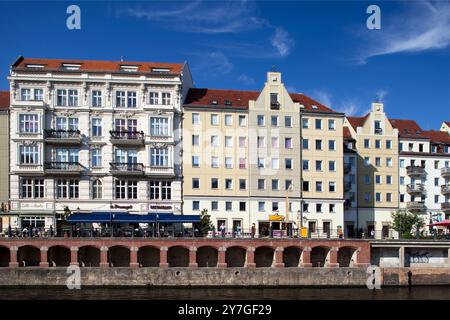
406	222
205	222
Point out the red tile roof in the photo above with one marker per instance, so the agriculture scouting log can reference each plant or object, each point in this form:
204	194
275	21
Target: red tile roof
440	137
95	65
203	97
346	133
4	100
447	123
407	128
357	121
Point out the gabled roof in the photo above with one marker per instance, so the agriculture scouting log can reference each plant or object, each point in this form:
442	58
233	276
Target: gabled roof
440	137
238	99
95	65
356	122
4	100
447	123
346	133
407	128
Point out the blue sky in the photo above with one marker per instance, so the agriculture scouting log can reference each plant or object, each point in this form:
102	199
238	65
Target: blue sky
323	49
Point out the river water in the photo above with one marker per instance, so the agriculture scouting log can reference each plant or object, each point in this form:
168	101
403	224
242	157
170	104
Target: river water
390	293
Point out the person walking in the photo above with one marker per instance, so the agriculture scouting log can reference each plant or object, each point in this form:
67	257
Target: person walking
253	230
222	229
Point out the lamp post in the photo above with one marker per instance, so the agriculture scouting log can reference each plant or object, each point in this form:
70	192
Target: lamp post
289	188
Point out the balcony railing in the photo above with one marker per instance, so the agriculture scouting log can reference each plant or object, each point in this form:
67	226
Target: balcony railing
415	188
415	206
160	171
275	105
126	168
415	170
63	167
445	206
347	167
62	136
445	189
127	138
445	172
378	131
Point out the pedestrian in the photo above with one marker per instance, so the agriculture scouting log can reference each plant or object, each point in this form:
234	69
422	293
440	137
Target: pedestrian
372	234
238	231
24	232
340	233
253	230
222	229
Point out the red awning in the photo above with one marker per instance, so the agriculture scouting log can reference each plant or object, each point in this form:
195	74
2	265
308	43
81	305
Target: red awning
442	223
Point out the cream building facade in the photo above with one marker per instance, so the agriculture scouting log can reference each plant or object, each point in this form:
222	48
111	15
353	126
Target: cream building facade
4	153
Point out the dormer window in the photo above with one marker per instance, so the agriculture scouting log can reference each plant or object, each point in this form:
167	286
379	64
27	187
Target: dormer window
129	68
35	66
160	70
314	107
214	102
302	106
71	66
227	102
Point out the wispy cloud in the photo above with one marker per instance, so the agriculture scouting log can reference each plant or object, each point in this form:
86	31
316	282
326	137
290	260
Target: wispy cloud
282	41
215	63
350	108
245	79
381	93
322	96
424	26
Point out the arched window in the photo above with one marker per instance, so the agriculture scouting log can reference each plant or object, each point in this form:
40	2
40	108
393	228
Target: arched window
97	189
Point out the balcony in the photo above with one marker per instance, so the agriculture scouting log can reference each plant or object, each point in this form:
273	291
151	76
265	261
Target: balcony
445	189
126	168
378	131
445	172
347	186
64	137
415	171
445	206
415	206
63	168
417	188
347	168
160	171
127	138
275	105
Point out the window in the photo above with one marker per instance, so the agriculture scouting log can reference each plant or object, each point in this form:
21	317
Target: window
274	142
377	144
242	142
274	100
67	188
436	198
215	119
195	183
215	141
436	182
159	157
288	121
242	163
228	206
377	125
25	94
66	155
165	98
29	123
318	207
305	144
228	142
378	196
153	98
159	126
287	184
388	162
214	183
318	144
228	120
366	179
274	206
261	142
97	189
29	154
402	163
318	123
402	181
242	184
332	186
66	97
288	163
214	162
367	196
331	145
305	164
214	205
32	188
96	157
261	206
388	144
261	184
96	98
319	186
275	184
261	163
242	120
306	207
318	165
195	140
378	161
274	121
436	164
288	143
96	127
332	165
388	179
331	124
228	184
377	179
261	120
195	161
195	205
228	162
305	123
332	207
305	186
275	163
366	143
195	118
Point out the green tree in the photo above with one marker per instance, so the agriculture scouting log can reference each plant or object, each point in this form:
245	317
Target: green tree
205	222
408	224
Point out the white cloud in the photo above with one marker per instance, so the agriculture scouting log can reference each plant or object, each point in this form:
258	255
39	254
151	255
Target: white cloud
322	97
245	79
381	94
349	108
213	63
425	26
282	41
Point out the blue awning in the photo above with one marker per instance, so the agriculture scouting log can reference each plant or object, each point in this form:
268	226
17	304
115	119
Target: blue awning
96	216
176	218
